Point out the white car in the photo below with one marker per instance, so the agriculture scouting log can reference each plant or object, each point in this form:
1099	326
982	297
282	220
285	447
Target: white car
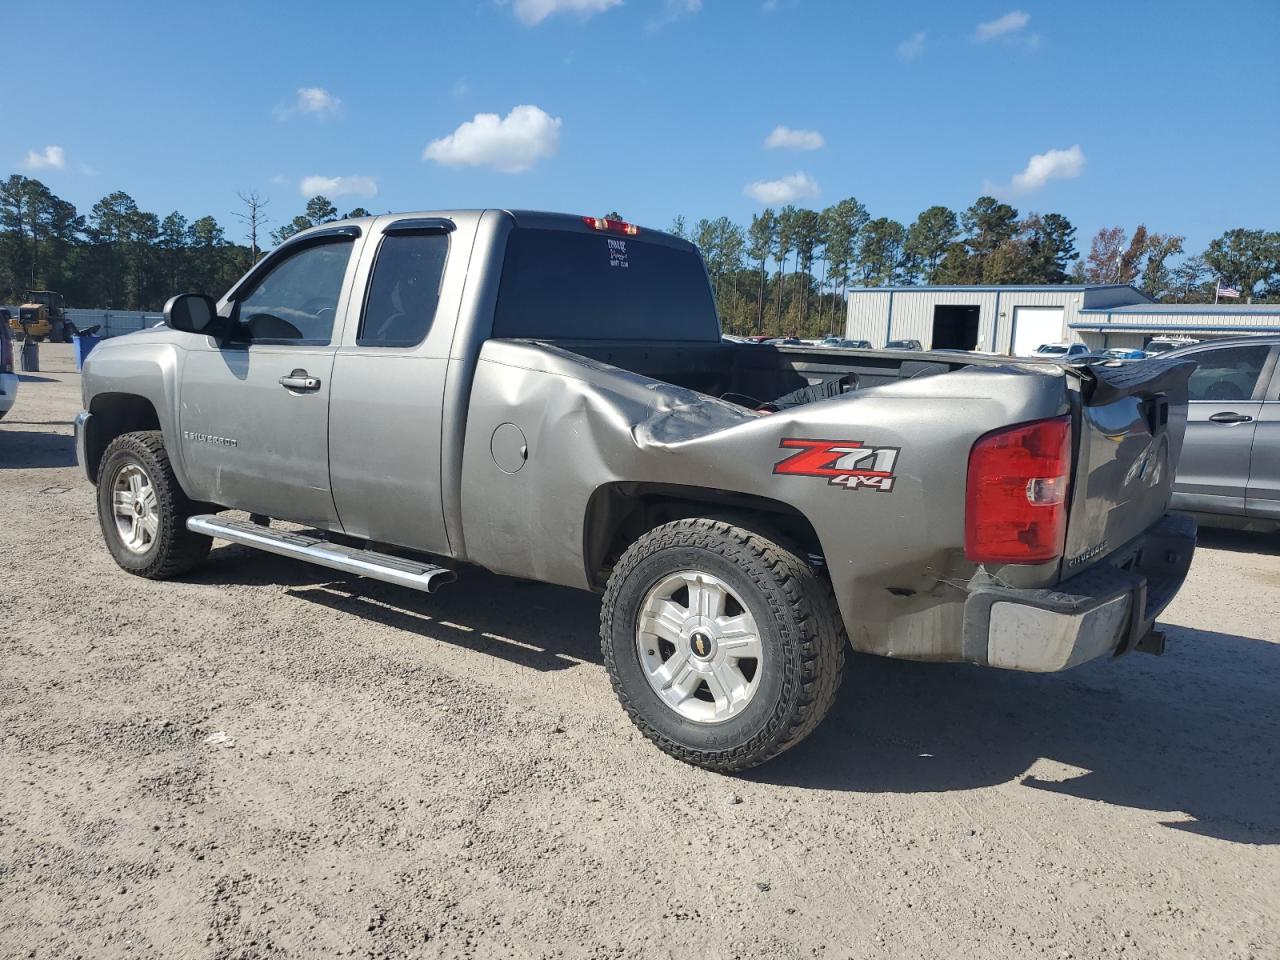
1158	345
1060	351
8	379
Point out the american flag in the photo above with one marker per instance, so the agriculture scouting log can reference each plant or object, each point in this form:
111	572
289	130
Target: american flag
1228	291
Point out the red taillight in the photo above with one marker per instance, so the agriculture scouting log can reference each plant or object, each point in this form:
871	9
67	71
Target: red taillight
1016	499
611	226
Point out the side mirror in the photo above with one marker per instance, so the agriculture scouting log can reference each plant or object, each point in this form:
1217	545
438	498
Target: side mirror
191	313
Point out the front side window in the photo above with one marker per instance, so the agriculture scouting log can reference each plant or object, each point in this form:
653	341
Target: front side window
405	290
1230	373
297	301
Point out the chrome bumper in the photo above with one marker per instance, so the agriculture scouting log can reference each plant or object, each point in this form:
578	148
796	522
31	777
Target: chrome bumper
1108	609
82	425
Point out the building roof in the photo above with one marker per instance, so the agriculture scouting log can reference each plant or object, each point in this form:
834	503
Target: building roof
997	287
1252	310
1172	329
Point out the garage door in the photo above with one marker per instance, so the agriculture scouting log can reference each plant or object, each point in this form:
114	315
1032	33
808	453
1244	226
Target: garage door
1033	326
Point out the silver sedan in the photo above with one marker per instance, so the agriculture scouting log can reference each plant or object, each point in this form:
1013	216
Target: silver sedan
1230	466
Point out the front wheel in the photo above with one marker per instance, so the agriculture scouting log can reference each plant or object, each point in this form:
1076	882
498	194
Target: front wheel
724	646
142	510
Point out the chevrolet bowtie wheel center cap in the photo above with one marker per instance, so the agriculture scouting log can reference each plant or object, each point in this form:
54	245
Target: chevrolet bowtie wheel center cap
702	645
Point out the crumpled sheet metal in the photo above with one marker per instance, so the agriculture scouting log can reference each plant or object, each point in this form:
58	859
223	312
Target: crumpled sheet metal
895	556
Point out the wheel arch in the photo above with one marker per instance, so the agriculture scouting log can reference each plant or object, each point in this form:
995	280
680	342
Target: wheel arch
115	414
619	513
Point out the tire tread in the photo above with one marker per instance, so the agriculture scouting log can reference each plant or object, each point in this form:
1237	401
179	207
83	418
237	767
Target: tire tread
813	607
180	550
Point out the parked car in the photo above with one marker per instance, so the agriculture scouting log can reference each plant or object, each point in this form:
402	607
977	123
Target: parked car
1124	353
842	343
1086	358
8	379
1230	468
549	397
903	345
1060	351
1158	345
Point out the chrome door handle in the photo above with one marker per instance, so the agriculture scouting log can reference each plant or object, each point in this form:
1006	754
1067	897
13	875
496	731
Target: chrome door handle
300	380
1230	418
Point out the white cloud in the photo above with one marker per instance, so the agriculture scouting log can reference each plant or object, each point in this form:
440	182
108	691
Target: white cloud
673	10
912	47
338	186
1041	168
1011	22
784	138
797	186
50	158
313	102
460	88
509	144
533	12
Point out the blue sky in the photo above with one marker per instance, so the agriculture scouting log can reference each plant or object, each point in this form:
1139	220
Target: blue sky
1166	113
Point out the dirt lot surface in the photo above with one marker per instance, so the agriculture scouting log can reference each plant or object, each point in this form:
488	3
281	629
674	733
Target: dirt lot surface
264	760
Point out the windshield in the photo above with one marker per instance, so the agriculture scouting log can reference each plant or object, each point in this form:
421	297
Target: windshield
1053	348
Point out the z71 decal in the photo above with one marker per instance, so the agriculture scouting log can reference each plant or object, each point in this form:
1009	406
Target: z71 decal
845	463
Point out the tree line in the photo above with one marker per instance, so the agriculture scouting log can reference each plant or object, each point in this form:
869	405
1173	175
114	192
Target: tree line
120	257
788	270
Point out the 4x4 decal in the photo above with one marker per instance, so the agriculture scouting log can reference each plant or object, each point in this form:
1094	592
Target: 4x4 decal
845	463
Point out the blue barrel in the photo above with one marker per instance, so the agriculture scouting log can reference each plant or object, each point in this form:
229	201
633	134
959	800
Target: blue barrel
84	344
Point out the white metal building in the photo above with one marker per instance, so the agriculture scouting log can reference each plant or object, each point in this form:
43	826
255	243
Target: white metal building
1132	325
1017	319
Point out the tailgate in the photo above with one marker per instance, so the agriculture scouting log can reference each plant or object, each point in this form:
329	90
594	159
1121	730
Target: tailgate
1131	419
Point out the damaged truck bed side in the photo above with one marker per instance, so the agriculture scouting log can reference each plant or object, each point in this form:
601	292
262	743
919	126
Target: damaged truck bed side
549	397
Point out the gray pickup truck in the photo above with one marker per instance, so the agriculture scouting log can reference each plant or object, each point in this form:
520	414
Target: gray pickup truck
549	397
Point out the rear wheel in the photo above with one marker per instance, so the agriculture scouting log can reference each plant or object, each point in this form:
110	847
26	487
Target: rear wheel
724	646
142	510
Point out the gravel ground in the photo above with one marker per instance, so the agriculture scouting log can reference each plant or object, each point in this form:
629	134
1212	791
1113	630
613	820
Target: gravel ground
267	760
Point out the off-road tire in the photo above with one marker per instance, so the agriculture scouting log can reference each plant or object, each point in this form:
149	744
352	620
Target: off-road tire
175	549
799	625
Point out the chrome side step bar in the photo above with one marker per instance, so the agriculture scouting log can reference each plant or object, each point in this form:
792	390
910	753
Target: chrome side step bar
365	563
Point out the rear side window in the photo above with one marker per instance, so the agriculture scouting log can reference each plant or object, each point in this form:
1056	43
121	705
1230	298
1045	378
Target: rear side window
1230	373
405	289
559	284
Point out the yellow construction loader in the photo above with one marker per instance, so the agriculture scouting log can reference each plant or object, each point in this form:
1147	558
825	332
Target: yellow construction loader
42	315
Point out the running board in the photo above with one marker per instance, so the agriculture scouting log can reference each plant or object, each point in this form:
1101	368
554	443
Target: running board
365	563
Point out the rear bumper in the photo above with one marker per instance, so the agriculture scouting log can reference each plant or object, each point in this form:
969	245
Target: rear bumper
1106	610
